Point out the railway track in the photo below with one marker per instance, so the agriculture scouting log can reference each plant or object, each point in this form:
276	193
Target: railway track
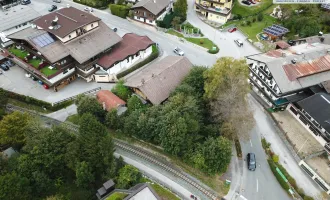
128	148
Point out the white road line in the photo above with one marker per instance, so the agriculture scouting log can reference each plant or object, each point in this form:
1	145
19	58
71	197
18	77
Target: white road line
257	186
251	142
242	197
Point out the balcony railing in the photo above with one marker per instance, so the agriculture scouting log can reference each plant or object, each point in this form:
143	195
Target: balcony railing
269	76
265	84
224	11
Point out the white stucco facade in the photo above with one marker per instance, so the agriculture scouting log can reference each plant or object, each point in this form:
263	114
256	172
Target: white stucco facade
122	66
5	33
62	75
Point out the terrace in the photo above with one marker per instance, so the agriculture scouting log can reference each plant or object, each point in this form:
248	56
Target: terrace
33	61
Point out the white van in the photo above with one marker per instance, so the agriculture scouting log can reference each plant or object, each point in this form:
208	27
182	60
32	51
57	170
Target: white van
239	43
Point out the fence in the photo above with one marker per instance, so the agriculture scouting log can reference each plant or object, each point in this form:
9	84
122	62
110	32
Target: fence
75	96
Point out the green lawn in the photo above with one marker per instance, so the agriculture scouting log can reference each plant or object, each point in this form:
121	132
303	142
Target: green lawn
163	193
256	27
208	44
73	119
17	52
116	196
35	62
250	10
48	71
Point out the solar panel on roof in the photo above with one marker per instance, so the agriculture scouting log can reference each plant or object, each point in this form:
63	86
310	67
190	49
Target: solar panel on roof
43	40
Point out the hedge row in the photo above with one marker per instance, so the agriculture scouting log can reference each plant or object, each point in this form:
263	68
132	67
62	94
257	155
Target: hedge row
283	184
101	4
152	57
238	148
37	102
119	10
167	21
211	51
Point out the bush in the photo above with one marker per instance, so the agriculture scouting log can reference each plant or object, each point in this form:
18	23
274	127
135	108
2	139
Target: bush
260	17
121	2
283	184
248	22
94	4
152	57
308	198
167	21
264	143
275	158
201	41
119	10
238	148
211	51
254	19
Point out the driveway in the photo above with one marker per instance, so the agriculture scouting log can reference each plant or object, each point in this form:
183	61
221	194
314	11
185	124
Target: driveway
224	40
14	80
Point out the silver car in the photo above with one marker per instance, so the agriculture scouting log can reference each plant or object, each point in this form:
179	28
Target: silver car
178	51
239	43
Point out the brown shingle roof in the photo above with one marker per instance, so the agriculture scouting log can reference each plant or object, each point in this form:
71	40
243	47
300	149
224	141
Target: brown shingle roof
282	44
130	45
69	20
159	79
110	100
154	6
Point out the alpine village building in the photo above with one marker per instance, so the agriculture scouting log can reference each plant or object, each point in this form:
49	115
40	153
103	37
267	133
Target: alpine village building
69	43
214	10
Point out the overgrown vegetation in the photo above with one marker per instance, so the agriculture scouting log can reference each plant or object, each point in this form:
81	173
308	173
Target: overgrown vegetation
153	56
95	3
119	10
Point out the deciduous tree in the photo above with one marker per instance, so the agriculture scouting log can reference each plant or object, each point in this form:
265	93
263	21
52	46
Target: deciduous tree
180	9
12	129
87	104
84	175
14	186
128	177
226	88
134	103
121	91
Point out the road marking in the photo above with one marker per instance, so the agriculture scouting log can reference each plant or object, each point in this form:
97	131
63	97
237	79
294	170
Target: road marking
257	186
251	142
242	197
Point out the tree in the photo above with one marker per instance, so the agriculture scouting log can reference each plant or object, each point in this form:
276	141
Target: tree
180	9
112	120
121	91
196	80
14	187
260	17
128	177
226	89
12	129
176	22
3	98
87	104
56	197
216	154
134	103
119	164
84	175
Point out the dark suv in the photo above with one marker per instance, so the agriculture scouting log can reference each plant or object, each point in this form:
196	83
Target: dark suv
251	161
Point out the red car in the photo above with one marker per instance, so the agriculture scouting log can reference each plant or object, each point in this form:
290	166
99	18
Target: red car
232	30
45	86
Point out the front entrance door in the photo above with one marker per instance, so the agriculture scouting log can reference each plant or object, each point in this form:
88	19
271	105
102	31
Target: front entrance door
206	14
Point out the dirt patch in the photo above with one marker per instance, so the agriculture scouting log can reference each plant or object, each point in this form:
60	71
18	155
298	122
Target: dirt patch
302	141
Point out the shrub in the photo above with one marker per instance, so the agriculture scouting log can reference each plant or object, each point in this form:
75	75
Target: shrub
167	21
238	148
264	143
248	22
254	19
120	2
283	184
119	10
152	57
260	17
308	198
201	41
275	158
211	51
94	4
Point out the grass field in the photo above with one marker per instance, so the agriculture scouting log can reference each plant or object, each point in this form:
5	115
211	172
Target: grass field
48	71
35	62
116	196
163	193
208	44
17	52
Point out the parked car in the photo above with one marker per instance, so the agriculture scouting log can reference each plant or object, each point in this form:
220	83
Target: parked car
4	67
28	75
9	63
52	8
239	43
246	2
193	197
25	2
34	78
232	30
88	9
1	72
40	82
251	161
45	86
57	1
291	42
178	51
114	29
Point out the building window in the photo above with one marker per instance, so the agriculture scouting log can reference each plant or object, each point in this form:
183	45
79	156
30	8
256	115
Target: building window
63	62
127	59
66	71
138	17
145	14
137	54
150	21
24	24
69	36
92	25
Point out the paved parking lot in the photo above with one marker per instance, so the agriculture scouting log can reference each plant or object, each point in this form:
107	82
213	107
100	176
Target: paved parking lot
15	80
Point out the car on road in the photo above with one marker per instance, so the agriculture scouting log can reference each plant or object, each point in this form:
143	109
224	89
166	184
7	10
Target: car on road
178	51
291	42
4	67
251	161
25	2
57	1
238	42
88	9
9	63
45	86
34	78
246	2
52	8
231	30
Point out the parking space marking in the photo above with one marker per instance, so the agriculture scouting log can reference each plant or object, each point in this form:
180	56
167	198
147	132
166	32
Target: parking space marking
257	185
251	142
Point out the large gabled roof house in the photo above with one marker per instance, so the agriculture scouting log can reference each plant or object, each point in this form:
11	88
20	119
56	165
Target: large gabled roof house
155	82
217	11
15	19
149	11
62	45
